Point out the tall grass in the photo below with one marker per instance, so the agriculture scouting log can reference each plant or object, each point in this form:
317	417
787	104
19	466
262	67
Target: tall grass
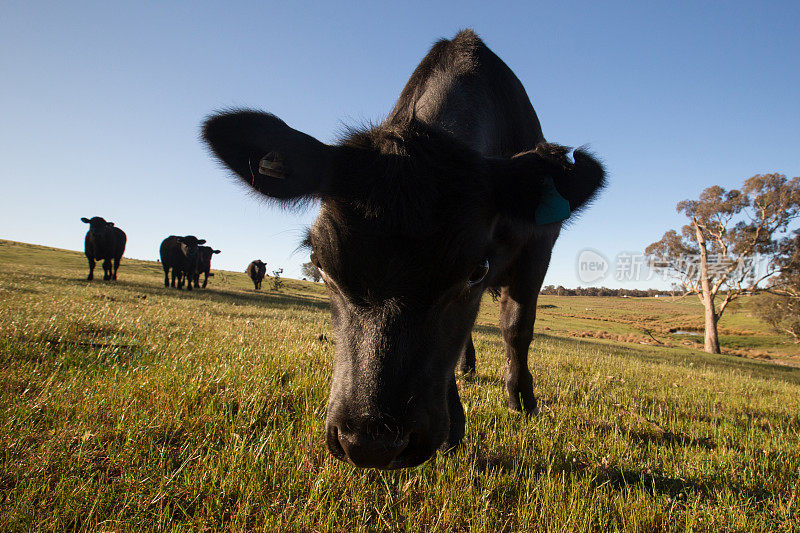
127	407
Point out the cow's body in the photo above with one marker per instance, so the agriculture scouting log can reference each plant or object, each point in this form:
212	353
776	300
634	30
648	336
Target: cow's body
204	255
104	242
463	88
180	254
456	192
256	270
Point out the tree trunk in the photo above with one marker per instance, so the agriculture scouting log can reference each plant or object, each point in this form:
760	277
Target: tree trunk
712	339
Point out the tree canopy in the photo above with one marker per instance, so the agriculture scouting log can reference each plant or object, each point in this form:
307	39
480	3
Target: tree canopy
735	240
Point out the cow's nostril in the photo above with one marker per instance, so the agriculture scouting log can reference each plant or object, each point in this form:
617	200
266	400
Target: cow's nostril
367	451
332	440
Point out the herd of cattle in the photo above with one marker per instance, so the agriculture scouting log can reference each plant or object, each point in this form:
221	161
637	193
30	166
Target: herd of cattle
186	257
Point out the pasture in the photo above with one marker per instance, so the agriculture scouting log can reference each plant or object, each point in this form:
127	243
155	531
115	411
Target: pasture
125	406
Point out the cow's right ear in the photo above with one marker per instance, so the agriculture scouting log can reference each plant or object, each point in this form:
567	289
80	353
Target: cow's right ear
110	224
542	186
85	220
201	242
272	158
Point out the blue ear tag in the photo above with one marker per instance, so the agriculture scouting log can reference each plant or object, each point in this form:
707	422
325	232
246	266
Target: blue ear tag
552	206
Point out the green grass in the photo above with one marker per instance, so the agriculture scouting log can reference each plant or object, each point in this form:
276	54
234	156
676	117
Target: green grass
127	407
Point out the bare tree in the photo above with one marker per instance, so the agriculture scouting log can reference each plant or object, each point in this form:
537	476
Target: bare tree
310	270
731	244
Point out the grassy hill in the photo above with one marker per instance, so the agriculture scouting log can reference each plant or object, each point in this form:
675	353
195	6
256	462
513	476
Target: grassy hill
127	407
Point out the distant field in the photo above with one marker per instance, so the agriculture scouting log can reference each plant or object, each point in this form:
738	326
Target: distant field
128	407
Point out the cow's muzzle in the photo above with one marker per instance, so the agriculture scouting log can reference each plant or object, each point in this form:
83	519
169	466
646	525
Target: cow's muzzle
377	445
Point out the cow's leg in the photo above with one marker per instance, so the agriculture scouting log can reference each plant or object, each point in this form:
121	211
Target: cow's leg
517	315
466	363
205	280
457	419
90	277
116	267
106	269
166	275
189	280
176	278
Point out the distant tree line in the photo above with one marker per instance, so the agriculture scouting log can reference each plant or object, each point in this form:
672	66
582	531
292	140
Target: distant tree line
552	290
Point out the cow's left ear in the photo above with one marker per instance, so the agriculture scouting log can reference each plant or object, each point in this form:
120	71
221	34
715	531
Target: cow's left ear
542	186
85	220
215	252
110	224
201	241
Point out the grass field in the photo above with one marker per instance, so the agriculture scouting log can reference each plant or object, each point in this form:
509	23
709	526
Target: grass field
127	407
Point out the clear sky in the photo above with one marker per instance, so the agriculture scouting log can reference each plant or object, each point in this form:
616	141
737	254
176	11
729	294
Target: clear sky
101	105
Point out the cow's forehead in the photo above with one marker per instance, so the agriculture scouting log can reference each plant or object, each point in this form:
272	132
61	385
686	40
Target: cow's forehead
388	259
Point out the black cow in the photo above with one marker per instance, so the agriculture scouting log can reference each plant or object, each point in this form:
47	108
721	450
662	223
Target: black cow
257	270
181	255
204	255
105	242
454	193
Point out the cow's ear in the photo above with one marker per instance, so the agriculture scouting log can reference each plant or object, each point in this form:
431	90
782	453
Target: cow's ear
180	240
542	186
110	224
274	159
85	220
200	241
215	252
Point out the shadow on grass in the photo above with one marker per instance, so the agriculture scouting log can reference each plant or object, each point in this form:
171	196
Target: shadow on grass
217	295
73	353
617	478
699	360
667	438
753	368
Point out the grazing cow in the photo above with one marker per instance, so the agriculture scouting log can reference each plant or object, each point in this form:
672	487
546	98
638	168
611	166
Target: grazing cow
181	255
257	270
204	255
454	193
103	241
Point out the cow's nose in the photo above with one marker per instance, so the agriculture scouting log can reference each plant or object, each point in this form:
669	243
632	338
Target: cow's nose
367	449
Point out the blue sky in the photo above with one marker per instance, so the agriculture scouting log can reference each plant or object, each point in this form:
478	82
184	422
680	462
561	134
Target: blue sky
101	105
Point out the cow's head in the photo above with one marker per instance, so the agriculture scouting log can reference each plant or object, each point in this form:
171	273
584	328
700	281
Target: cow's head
407	240
190	246
98	225
205	253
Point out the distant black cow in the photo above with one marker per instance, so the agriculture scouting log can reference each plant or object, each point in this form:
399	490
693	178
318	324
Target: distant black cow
456	192
257	270
181	255
204	254
104	241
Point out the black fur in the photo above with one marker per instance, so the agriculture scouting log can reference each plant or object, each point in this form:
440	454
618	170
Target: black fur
256	270
104	242
411	211
181	254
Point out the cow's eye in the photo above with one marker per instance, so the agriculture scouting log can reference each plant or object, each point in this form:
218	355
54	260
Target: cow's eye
479	273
